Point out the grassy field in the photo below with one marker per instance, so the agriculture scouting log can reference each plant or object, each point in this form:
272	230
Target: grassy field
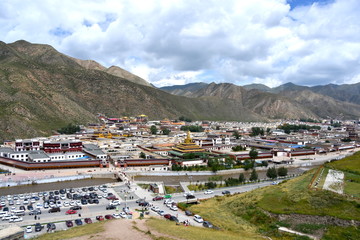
87	229
195	233
347	233
173	189
352	184
348	164
245	212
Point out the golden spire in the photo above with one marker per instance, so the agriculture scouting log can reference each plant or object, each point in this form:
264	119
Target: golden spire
188	138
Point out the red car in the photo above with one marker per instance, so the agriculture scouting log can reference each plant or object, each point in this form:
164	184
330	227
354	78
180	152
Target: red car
88	220
70	211
167	216
158	198
108	216
112	197
100	218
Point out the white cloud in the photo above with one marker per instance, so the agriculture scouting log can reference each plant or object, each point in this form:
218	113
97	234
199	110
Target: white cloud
174	42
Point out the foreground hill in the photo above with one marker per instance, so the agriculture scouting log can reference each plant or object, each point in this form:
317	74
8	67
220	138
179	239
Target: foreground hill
291	204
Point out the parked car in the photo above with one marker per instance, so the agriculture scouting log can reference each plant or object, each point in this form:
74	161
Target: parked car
198	219
115	202
207	224
35	212
38	227
88	220
173	218
110	207
158	198
69	223
108	216
174	208
28	229
55	209
188	213
78	222
167	196
70	211
209	192
99	218
51	226
123	214
161	212
76	208
143	204
116	215
226	192
190	196
167	216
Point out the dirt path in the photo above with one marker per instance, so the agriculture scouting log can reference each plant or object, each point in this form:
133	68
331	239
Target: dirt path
124	229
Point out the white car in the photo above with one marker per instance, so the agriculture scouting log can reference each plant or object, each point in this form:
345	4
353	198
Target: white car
66	204
116	215
115	202
123	214
39	205
198	219
73	203
62	197
161	212
155	208
15	219
28	229
209	192
6	217
26	201
3	204
174	208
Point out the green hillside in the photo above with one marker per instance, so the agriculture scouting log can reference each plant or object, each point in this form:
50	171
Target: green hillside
291	204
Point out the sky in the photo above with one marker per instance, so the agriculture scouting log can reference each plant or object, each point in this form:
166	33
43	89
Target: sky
175	42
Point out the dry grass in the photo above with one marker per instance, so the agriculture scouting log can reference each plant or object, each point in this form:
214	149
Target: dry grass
196	233
79	231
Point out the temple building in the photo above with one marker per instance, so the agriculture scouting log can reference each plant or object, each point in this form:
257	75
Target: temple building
186	147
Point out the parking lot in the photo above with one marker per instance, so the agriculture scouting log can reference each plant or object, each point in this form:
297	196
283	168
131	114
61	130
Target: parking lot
61	209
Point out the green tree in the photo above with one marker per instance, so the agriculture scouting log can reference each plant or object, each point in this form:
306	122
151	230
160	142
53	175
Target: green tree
253	154
237	148
236	134
142	155
282	171
253	175
192	128
153	129
271	173
166	131
241	178
69	129
229	162
268	131
256	131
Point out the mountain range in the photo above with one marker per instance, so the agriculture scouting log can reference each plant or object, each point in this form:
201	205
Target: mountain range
42	90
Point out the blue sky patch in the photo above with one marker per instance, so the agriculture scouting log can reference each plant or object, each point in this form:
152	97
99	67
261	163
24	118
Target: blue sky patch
59	32
300	3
